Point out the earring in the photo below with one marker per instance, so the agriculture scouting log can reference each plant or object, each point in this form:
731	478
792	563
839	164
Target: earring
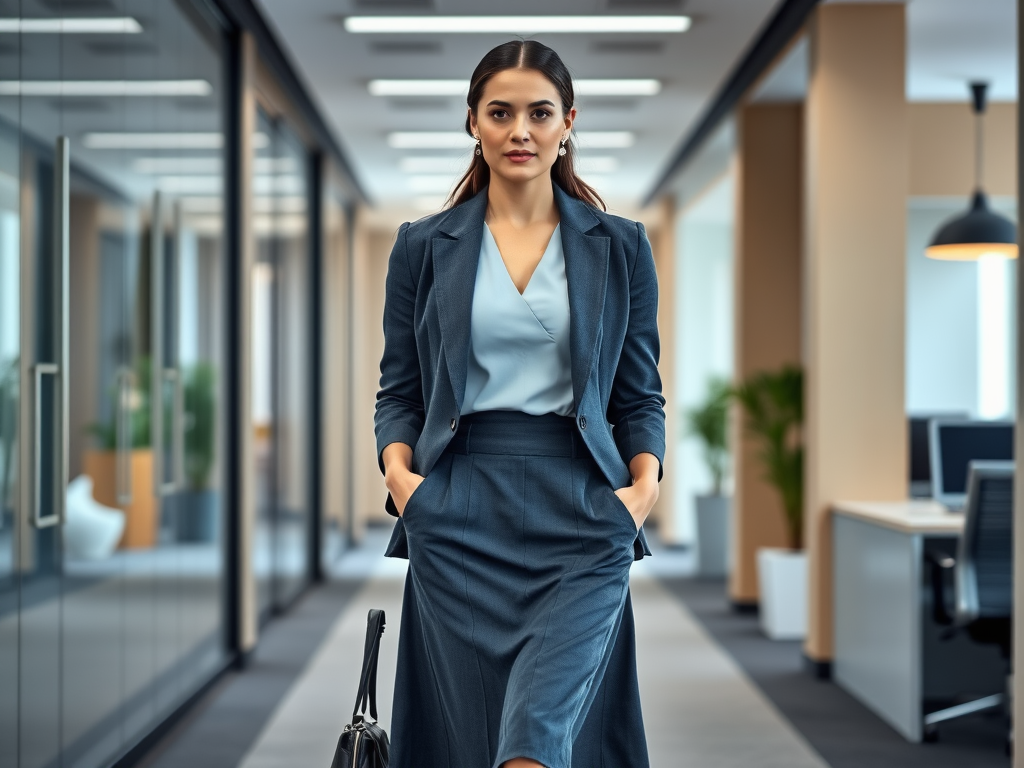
561	149
478	147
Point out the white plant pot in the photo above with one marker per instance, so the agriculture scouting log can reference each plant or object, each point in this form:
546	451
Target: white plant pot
783	577
713	535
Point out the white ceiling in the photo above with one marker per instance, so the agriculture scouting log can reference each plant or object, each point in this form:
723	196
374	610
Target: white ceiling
337	65
949	43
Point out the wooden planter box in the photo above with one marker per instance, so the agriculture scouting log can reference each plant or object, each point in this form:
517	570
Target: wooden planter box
142	515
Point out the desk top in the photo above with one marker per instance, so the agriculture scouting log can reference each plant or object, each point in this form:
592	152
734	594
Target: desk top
914	516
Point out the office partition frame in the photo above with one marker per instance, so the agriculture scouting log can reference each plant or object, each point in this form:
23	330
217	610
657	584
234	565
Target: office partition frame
1017	692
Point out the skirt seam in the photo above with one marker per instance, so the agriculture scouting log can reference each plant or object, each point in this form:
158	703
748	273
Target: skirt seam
607	639
469	602
547	624
440	699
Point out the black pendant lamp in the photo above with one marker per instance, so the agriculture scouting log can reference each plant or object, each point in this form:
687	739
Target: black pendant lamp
980	231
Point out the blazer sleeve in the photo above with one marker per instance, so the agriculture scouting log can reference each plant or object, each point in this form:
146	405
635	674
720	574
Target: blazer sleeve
636	406
399	414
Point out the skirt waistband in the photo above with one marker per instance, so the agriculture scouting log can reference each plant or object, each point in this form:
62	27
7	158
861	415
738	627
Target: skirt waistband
519	434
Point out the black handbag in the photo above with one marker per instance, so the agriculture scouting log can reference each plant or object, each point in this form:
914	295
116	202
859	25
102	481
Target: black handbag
363	743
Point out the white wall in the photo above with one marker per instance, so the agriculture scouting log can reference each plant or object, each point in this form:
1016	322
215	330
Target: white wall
704	290
946	319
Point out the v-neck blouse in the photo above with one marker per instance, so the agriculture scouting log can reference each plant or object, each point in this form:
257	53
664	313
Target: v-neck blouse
519	343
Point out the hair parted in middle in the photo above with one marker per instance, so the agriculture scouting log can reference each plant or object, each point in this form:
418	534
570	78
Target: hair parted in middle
524	54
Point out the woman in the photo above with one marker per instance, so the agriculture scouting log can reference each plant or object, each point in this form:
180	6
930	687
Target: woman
520	328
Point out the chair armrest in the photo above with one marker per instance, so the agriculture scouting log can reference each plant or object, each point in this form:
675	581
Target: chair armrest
941	569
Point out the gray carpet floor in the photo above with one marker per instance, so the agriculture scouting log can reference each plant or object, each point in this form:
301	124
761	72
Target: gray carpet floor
839	727
221	729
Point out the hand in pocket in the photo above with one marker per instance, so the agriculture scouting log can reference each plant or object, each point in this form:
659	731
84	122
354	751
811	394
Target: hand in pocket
405	489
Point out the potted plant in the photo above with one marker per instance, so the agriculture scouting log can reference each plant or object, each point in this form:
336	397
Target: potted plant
708	422
197	503
773	404
131	400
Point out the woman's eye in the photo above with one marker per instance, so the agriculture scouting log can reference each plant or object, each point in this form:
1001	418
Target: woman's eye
499	114
542	114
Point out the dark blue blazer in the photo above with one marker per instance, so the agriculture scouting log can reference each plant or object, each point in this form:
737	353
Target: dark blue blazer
613	338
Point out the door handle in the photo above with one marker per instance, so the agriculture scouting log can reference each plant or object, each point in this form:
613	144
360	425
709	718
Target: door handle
38	518
123	447
173	379
156	326
58	369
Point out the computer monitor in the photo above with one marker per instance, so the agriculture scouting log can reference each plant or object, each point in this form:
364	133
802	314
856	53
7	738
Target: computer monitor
919	447
954	444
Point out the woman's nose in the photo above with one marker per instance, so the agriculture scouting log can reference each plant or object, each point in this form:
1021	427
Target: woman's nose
520	131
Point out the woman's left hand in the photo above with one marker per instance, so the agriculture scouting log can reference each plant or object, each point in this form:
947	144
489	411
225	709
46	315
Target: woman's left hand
639	498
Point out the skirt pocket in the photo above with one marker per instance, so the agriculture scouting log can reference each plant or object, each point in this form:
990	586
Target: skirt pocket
624	512
416	494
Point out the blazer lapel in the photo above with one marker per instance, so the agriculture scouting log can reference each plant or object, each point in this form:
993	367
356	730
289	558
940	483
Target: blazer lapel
586	273
456	258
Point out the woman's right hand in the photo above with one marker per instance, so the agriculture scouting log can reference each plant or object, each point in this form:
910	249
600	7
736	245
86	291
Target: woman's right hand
401	484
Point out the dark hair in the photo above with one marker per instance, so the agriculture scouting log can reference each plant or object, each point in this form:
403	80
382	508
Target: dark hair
524	54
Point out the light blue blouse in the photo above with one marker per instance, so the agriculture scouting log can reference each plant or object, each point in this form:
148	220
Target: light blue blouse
519	343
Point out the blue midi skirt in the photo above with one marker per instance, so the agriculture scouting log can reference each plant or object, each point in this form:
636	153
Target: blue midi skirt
517	635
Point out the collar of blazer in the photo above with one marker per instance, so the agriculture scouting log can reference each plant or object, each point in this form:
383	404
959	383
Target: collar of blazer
457	255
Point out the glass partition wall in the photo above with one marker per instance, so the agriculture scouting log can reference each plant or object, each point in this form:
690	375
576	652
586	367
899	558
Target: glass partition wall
281	359
111	361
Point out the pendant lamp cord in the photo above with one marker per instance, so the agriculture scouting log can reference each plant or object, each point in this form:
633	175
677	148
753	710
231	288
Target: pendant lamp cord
978	93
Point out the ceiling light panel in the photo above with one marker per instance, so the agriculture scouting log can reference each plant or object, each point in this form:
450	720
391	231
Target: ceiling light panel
515	24
605	139
157	140
461	140
583	87
123	25
430	140
105	88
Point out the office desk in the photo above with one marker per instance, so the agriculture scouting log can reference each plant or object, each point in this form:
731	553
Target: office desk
888	652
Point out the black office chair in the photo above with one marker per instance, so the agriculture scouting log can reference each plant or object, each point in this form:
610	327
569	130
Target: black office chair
982	578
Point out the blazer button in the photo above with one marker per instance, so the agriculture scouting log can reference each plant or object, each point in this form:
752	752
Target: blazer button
452	425
583	422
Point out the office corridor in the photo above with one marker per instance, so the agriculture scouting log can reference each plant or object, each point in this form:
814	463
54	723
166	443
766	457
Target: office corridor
699	707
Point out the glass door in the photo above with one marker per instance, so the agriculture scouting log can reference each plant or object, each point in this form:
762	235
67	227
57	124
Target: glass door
111	564
281	375
10	408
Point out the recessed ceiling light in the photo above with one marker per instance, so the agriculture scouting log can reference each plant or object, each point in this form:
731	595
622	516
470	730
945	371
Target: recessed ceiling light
123	25
515	24
158	140
430	139
605	139
618	87
173	165
461	140
418	87
105	88
584	87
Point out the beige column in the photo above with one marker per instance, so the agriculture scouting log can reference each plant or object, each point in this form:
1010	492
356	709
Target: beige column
371	248
248	617
768	303
663	245
856	170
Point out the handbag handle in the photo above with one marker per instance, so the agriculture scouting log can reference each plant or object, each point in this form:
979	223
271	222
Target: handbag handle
368	678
